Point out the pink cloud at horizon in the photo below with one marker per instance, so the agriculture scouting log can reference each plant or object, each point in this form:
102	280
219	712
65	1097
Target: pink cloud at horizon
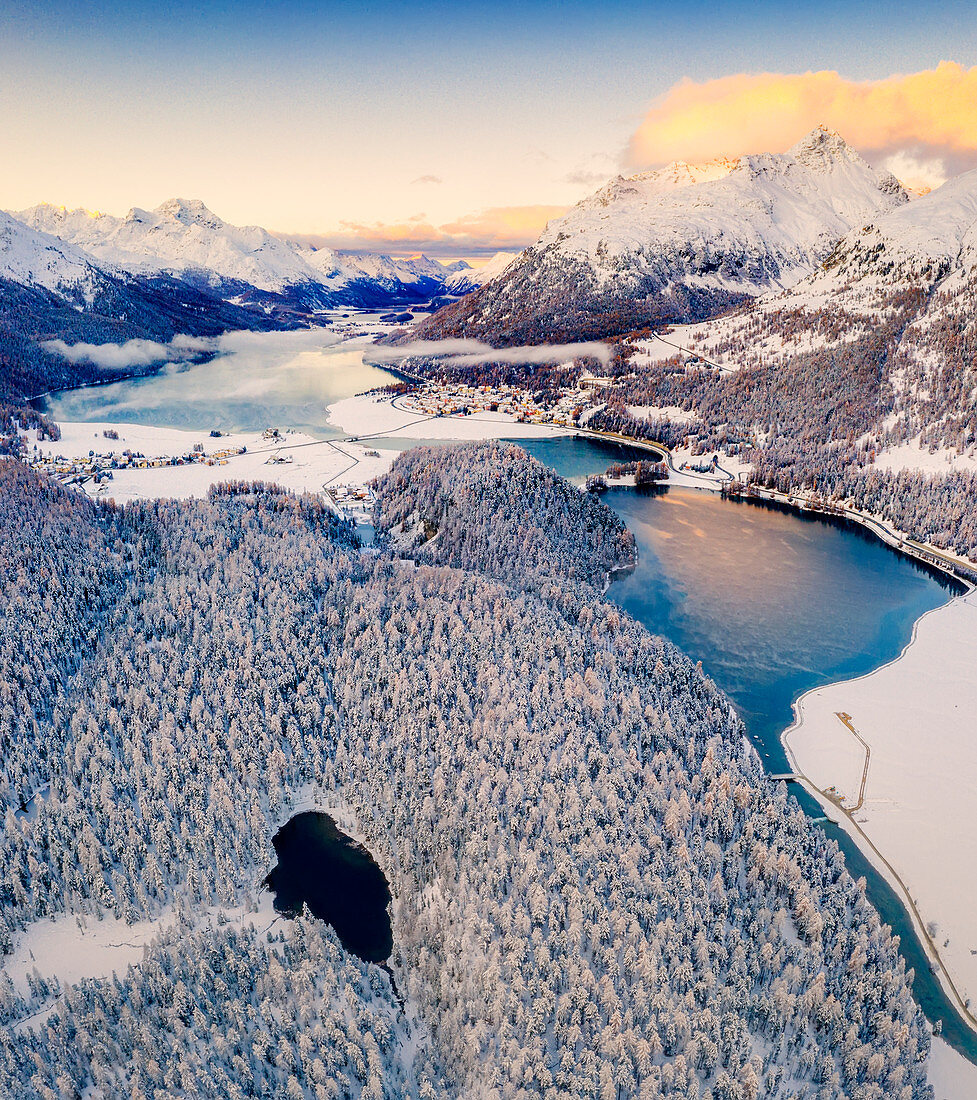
921	125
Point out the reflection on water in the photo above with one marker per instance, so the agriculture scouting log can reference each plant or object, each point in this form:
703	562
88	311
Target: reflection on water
574	457
259	379
772	603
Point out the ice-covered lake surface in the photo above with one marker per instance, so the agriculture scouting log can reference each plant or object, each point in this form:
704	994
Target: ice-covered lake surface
258	380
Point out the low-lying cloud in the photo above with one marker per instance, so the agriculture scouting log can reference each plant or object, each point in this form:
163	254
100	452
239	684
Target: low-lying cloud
470	353
133	353
926	120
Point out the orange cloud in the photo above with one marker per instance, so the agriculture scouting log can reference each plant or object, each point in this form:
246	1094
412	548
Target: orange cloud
499	228
929	114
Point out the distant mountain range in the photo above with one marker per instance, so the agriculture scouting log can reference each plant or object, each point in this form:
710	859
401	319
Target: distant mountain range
77	275
185	240
680	243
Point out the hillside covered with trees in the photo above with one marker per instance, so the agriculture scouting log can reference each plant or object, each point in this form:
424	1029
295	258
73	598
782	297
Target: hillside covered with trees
596	892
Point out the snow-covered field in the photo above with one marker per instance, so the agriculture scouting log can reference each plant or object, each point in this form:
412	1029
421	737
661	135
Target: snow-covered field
913	456
70	948
950	1074
917	716
296	460
314	463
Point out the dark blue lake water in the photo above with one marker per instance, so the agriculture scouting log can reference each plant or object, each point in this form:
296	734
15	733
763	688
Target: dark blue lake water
321	867
772	603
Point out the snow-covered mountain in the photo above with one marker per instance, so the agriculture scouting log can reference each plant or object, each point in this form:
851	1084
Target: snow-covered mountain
936	231
38	260
886	326
465	279
679	243
184	239
50	288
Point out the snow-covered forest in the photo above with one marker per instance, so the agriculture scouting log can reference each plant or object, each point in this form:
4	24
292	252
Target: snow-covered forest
596	891
507	517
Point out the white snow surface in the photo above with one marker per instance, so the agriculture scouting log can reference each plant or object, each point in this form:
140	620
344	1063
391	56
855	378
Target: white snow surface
915	456
746	225
311	465
182	236
38	259
917	716
70	948
940	226
467	279
950	1074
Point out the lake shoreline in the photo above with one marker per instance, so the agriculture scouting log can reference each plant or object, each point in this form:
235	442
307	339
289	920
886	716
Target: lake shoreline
824	754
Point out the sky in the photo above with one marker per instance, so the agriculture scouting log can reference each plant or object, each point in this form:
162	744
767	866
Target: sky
455	128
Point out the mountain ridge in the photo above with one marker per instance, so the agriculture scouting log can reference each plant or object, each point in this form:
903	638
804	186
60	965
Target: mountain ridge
676	244
184	239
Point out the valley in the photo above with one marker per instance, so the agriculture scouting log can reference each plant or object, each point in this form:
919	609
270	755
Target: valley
311	599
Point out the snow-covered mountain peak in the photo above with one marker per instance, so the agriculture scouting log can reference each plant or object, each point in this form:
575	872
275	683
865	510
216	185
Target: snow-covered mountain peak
466	278
36	259
190	212
681	173
822	148
184	239
679	242
939	228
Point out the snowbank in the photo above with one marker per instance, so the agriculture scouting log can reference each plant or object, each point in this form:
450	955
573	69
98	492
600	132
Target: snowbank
950	1074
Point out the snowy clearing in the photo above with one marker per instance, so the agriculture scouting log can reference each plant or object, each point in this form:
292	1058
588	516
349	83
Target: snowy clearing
294	460
70	948
917	716
915	456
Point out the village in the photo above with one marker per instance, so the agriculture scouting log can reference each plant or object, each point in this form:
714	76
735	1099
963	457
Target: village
99	467
458	399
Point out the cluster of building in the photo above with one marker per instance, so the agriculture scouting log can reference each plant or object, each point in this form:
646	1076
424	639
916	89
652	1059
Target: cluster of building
101	467
355	502
438	399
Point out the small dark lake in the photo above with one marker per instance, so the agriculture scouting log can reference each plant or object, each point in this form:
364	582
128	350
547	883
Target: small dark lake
338	879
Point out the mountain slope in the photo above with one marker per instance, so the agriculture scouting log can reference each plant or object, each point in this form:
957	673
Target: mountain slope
466	279
909	276
680	243
51	289
182	238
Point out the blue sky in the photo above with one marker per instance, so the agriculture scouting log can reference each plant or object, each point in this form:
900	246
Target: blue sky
343	119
